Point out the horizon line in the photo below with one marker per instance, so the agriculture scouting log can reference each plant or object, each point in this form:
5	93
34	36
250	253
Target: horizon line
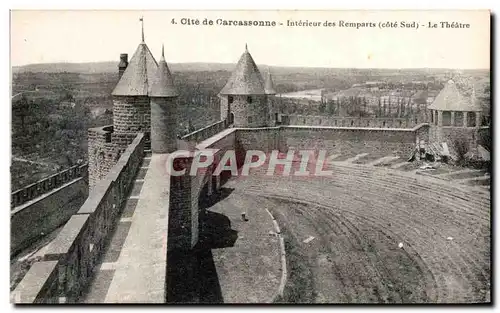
267	65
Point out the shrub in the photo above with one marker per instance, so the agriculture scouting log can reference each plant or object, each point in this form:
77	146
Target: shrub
461	147
485	139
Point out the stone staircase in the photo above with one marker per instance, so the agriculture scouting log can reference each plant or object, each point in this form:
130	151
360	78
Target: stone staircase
474	177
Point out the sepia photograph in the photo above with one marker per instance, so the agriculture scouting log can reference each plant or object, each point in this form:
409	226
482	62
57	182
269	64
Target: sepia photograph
250	157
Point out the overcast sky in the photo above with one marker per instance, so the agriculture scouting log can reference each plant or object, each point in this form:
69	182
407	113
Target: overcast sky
91	36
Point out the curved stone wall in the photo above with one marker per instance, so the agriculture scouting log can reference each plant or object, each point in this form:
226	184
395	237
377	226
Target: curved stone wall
131	114
250	111
163	125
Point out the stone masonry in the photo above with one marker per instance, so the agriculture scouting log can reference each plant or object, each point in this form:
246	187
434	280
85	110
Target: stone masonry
183	207
105	148
163	125
131	114
250	111
101	153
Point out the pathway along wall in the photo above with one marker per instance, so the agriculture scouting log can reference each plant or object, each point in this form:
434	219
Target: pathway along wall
70	258
81	240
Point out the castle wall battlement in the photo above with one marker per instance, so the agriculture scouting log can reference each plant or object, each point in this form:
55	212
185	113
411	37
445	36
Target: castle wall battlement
70	258
350	140
398	141
47	184
101	153
81	240
185	190
105	147
339	121
42	215
39	285
205	132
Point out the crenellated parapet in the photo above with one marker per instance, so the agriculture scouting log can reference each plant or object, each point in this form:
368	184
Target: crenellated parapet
48	184
102	153
105	148
70	258
340	121
205	132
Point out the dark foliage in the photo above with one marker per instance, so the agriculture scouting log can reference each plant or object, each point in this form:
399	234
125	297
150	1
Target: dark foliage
461	147
485	139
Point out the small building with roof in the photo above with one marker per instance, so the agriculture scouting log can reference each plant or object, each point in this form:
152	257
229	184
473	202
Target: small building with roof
454	115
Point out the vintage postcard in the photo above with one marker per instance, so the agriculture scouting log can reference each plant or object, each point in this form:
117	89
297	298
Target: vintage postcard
338	157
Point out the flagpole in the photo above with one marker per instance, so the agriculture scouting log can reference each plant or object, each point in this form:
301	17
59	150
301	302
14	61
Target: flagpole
142	27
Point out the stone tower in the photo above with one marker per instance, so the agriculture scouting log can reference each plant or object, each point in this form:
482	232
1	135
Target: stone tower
271	99
453	116
131	113
131	106
163	109
243	98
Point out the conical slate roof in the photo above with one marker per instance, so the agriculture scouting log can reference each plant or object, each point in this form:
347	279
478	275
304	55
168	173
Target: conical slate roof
269	85
246	78
451	99
140	71
162	83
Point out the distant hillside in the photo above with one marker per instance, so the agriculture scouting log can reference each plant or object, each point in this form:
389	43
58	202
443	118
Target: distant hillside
112	66
94	67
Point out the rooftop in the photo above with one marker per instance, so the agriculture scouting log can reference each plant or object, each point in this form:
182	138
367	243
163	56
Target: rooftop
452	99
246	78
162	83
141	70
269	85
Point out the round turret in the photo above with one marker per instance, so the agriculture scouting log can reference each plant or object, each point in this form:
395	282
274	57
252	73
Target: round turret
163	109
244	99
131	109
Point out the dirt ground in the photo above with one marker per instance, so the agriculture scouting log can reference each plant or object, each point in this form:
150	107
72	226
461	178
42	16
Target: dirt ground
379	236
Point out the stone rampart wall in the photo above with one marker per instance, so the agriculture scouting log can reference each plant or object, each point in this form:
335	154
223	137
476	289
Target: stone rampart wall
338	121
70	258
45	185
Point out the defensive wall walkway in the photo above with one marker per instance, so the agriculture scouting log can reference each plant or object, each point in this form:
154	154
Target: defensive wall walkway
70	258
164	208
